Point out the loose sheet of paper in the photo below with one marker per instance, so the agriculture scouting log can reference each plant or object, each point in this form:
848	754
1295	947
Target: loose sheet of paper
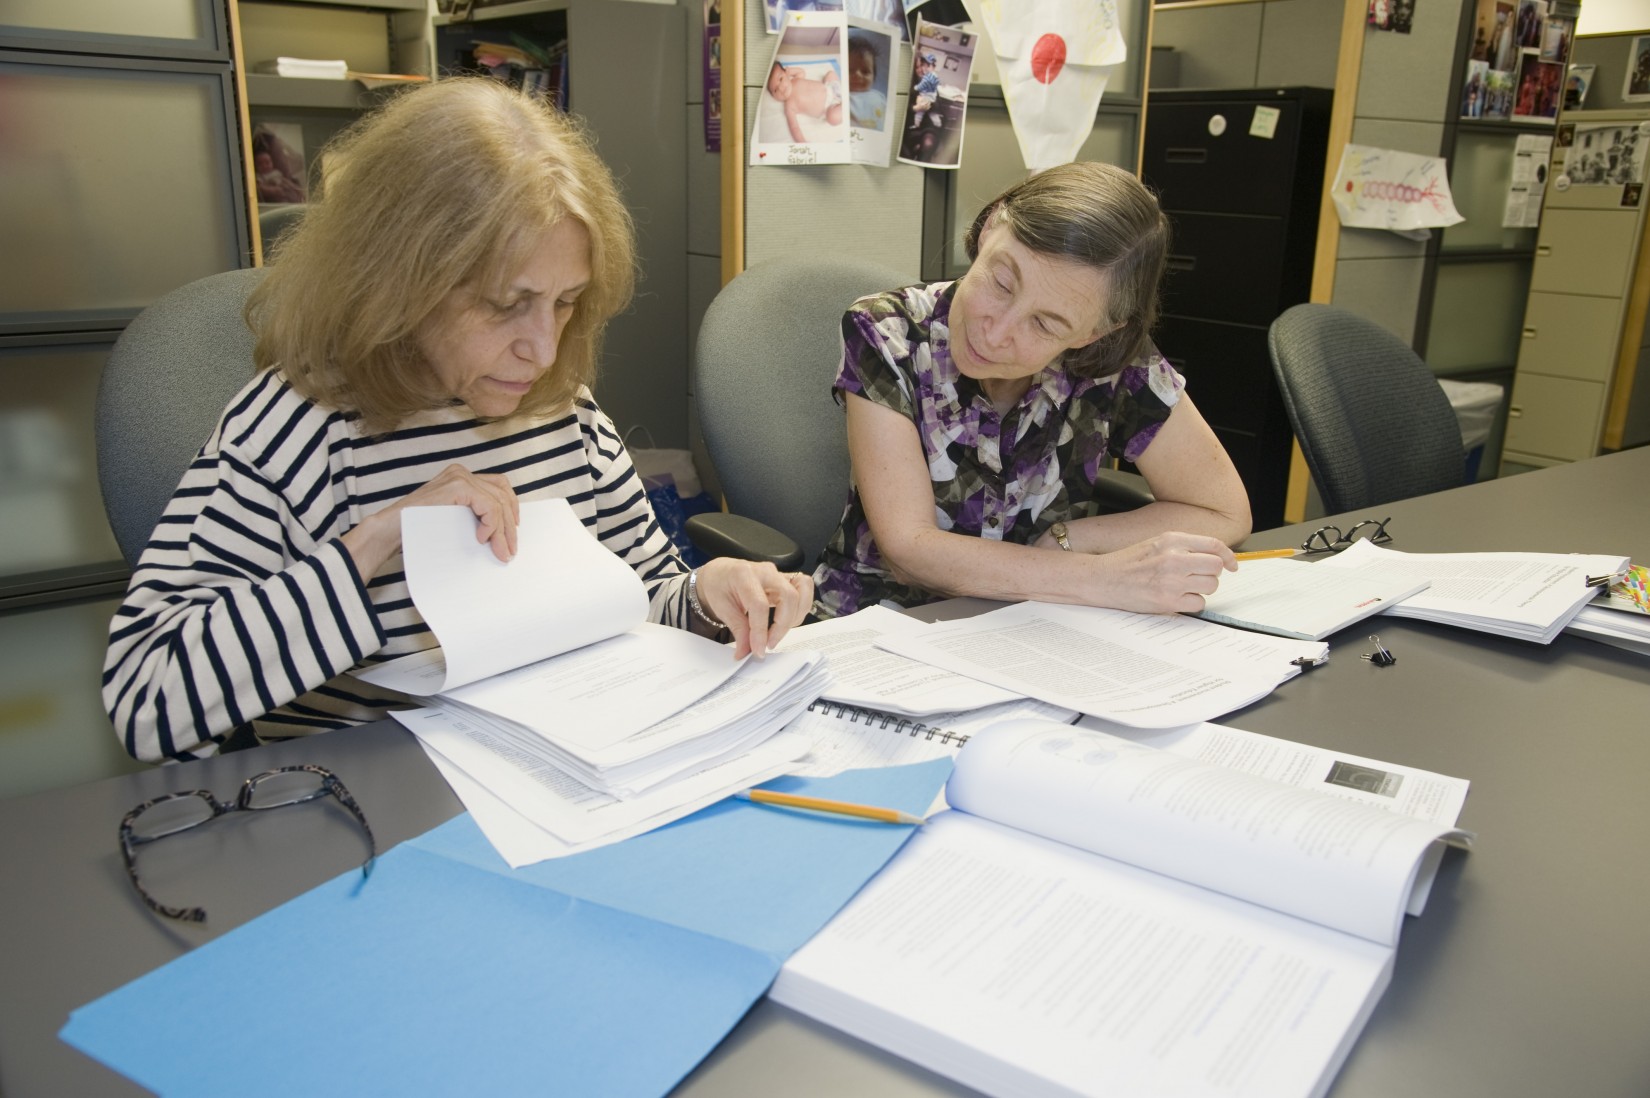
1143	670
490	615
863	674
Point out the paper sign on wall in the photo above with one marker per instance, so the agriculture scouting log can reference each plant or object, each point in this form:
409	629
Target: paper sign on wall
1055	57
1387	189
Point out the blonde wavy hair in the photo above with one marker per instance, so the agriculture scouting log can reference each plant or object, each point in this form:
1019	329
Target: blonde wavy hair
443	190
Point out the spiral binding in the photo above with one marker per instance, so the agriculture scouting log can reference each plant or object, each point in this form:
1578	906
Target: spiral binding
903	726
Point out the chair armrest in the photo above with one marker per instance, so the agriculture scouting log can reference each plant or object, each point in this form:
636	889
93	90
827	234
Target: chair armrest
720	534
1117	491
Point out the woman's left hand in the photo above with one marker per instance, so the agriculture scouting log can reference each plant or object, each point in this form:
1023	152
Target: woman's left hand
758	602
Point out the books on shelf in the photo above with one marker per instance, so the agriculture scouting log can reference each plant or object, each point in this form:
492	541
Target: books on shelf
1294	598
1097	916
551	692
1528	596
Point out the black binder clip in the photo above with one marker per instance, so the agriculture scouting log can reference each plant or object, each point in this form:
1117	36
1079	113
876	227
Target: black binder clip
1381	657
1307	663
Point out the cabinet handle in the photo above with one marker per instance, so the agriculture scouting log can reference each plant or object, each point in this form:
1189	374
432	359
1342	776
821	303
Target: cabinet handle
1186	156
1180	262
1543	249
1515	411
1529	333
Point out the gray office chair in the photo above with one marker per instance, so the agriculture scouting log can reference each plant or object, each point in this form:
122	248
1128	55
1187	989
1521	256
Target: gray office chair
1372	420
769	347
164	386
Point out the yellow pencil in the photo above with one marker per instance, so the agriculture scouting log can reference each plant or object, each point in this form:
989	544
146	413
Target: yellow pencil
841	808
1266	554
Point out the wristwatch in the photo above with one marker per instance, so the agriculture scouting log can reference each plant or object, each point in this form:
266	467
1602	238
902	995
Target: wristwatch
1059	532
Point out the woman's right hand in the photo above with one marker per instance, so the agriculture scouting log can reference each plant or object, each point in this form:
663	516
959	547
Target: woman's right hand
1169	573
489	495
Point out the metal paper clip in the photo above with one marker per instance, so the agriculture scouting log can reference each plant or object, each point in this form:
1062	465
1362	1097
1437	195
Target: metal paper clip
1381	657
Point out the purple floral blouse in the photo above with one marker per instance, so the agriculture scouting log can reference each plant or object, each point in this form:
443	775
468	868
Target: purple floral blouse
1003	476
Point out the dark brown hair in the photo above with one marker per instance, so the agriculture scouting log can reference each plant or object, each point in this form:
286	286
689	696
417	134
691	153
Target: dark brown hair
1103	217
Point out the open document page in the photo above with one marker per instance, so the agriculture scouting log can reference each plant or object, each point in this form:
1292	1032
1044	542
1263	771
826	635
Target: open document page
492	615
1344	865
1293	598
1531	596
870	677
1098	917
1142	670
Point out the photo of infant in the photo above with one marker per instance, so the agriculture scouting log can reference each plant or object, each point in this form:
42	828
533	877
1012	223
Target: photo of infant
867	79
802	110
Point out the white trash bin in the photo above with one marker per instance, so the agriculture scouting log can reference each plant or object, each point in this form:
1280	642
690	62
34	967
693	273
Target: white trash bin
1475	404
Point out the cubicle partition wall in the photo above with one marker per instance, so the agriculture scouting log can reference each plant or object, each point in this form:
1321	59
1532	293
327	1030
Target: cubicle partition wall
122	181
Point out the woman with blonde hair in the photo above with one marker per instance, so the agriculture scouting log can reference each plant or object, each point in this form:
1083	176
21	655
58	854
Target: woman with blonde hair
429	336
982	412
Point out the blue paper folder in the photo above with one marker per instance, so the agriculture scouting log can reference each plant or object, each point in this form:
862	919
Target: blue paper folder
611	972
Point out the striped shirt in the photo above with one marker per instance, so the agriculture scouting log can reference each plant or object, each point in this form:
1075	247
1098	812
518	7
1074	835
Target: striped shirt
245	606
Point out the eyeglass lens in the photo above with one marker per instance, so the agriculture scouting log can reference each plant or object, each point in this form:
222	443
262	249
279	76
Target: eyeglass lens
1330	539
283	787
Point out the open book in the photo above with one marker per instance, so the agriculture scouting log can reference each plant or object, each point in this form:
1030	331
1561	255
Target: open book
1099	917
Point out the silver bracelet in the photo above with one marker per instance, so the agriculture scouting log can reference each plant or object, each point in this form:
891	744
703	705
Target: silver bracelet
696	605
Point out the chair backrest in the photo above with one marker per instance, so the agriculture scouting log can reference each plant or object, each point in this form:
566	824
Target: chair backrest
1372	420
165	384
769	347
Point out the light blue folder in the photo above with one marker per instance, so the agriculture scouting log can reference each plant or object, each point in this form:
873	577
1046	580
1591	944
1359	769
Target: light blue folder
611	972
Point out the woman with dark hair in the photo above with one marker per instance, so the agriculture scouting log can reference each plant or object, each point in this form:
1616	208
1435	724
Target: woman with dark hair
429	337
981	412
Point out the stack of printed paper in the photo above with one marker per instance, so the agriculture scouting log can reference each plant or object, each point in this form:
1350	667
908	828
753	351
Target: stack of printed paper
1529	596
581	721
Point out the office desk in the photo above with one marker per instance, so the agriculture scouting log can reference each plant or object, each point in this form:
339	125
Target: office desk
1529	973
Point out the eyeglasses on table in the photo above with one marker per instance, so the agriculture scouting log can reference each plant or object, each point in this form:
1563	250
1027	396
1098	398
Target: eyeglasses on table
175	812
1331	539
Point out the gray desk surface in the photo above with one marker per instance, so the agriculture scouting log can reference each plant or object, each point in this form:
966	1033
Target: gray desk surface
1529	973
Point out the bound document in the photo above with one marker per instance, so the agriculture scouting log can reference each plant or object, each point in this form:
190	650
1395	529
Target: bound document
1295	598
1099	917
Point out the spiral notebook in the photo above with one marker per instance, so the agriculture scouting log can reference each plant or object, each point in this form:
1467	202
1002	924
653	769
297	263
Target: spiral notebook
851	737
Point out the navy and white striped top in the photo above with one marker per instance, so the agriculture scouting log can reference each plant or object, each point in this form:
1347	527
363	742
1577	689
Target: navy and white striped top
247	607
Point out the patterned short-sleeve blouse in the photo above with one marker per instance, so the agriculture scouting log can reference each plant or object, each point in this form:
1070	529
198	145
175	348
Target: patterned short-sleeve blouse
995	475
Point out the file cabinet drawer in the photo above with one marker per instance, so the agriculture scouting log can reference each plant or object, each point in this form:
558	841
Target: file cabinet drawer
1566	335
1228	372
1584	252
1223	267
1555	417
1194	169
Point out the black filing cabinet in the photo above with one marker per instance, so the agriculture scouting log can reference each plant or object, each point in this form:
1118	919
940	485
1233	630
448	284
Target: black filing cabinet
1240	174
